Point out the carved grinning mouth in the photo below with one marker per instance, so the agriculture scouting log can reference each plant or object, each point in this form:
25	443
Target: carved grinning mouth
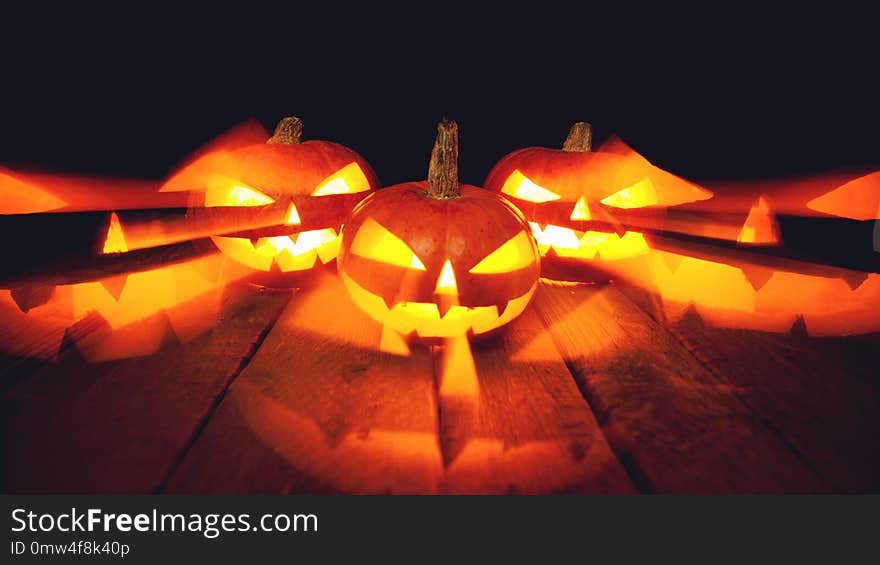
294	252
425	319
570	243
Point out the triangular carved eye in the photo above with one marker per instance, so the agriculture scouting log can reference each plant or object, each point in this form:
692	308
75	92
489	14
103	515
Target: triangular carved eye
347	180
639	195
236	195
516	253
858	199
373	241
520	186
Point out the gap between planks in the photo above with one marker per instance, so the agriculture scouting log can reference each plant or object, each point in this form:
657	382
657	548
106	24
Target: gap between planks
215	403
821	395
319	409
117	426
668	419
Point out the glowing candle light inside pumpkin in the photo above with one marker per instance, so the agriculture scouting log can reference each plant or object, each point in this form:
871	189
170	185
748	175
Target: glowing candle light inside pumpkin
436	259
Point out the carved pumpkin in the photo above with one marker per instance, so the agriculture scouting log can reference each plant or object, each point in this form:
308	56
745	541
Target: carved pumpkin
435	259
296	195
577	201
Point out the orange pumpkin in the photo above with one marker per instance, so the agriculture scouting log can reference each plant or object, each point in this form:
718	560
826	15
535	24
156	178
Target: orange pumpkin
435	259
296	193
578	201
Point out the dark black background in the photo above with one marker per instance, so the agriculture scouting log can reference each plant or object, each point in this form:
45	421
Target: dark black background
717	94
721	94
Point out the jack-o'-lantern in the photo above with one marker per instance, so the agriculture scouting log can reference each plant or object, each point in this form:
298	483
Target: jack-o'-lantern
290	196
436	259
577	201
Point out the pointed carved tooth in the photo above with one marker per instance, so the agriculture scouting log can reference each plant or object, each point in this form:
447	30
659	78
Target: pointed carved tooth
855	279
444	304
27	297
760	226
389	302
799	327
672	260
757	276
115	285
691	316
393	343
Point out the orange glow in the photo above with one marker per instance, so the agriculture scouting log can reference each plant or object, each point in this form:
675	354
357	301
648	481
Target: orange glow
858	199
38	332
181	298
587	245
115	241
410	461
176	228
446	280
393	343
216	156
295	252
373	241
458	373
581	210
760	226
293	218
639	195
126	315
220	194
31	193
424	318
667	188
516	253
349	179
744	295
520	186
20	197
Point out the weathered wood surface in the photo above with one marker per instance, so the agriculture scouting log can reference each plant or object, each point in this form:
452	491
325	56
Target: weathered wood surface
121	426
821	394
529	430
673	424
320	409
584	393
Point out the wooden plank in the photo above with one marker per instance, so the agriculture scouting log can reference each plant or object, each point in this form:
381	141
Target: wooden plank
821	394
320	409
676	428
120	426
528	430
84	265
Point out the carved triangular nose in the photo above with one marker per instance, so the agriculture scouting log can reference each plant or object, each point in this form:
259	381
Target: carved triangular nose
581	210
446	280
293	216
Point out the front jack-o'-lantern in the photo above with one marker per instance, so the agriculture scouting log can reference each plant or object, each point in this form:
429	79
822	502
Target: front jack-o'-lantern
577	201
436	259
291	198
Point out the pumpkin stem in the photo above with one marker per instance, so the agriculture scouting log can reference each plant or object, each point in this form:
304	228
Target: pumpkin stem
443	169
580	138
287	132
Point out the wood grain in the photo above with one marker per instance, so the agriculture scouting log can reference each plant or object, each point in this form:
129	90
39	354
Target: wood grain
821	394
529	430
119	426
676	428
319	409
